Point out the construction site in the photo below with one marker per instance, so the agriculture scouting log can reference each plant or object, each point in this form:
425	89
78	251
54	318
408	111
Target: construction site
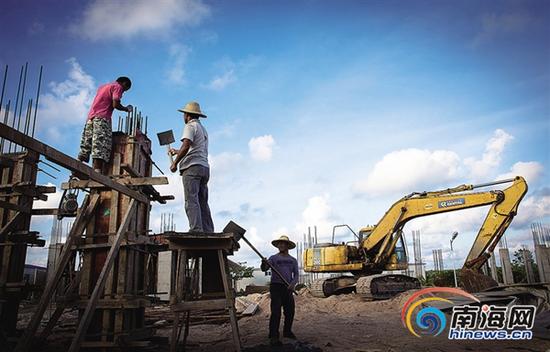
114	284
122	252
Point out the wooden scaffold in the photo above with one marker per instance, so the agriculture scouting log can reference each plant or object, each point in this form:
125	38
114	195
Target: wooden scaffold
110	232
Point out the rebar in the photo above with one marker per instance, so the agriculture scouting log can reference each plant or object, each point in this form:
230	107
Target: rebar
6	113
22	99
50	165
36	102
3	87
47	173
16	104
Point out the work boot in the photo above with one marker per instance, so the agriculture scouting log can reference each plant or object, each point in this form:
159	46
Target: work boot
289	335
274	341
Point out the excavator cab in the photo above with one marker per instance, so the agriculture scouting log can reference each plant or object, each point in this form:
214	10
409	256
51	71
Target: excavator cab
398	259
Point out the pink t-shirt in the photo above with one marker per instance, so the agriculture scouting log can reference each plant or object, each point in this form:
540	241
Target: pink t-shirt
102	106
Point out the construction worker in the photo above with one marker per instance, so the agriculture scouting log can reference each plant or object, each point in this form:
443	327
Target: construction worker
281	294
192	160
97	134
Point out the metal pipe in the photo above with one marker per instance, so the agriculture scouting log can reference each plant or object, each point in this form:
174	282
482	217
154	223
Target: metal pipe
146	118
3	87
493	183
36	102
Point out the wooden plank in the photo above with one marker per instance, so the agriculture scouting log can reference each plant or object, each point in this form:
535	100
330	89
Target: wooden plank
66	161
44	211
230	300
133	181
130	170
251	309
207	304
60	307
88	312
90	203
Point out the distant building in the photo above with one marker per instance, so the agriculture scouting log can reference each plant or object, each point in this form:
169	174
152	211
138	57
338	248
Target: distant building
259	278
34	275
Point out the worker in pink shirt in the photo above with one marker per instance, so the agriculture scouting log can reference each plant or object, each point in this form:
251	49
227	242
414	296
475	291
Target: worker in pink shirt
97	134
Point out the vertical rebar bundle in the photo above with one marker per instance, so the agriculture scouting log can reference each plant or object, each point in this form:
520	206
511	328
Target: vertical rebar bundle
13	116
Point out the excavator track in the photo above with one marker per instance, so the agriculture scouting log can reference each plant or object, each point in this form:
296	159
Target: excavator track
384	286
329	286
316	288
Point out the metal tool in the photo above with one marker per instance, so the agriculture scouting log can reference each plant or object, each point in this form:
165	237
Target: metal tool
167	138
238	233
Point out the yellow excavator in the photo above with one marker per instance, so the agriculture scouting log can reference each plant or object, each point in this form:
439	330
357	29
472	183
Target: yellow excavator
380	248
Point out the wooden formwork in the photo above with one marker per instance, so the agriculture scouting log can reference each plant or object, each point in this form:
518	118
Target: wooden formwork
111	233
18	189
120	312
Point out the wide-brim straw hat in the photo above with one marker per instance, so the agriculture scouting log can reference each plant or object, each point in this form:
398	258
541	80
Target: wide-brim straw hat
192	108
284	238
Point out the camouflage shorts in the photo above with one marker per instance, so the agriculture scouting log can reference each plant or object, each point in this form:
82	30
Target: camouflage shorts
96	139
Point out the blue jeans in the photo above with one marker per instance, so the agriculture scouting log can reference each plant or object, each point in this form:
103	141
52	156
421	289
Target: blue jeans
195	186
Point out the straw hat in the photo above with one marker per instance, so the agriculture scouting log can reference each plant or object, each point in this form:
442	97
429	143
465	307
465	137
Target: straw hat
192	108
284	238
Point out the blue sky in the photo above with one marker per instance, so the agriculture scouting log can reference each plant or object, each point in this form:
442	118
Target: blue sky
320	112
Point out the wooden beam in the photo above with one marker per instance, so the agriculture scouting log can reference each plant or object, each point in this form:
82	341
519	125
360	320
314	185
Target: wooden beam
134	181
12	206
45	211
66	161
208	304
113	252
4	230
89	205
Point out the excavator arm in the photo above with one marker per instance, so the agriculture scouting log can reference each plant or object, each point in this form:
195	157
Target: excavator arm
381	242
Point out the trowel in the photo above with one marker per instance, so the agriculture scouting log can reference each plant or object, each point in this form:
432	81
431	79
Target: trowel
167	138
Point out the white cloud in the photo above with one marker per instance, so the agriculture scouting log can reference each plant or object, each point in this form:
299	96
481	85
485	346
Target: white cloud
261	148
137	17
224	162
67	102
406	170
52	202
318	212
530	170
221	81
178	57
532	208
492	156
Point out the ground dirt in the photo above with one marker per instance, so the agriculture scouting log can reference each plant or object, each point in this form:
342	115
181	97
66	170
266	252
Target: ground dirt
338	323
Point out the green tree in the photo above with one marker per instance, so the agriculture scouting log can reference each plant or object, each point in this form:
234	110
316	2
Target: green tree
518	265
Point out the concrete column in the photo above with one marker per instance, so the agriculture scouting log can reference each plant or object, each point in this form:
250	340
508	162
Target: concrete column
528	268
542	254
164	268
506	265
493	267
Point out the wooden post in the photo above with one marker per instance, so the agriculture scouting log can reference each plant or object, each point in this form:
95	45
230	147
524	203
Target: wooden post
86	318
79	225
